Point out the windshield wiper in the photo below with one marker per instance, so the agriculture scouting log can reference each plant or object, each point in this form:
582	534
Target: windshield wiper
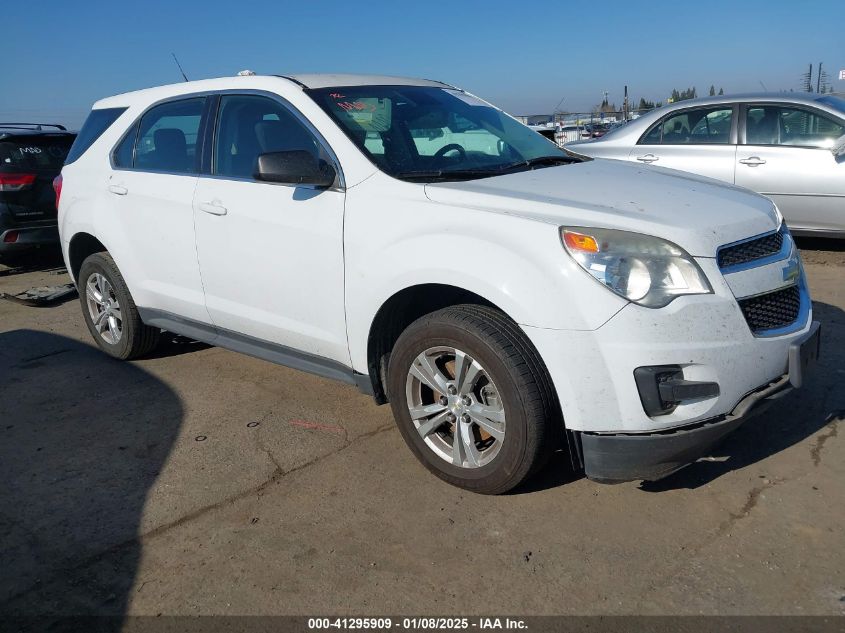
447	174
468	174
541	161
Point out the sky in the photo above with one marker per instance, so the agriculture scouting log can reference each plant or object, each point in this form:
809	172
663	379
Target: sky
527	57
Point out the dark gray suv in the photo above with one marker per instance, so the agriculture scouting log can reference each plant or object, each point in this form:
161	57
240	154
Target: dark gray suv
31	156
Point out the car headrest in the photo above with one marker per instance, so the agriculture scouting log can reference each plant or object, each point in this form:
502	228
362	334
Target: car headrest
171	140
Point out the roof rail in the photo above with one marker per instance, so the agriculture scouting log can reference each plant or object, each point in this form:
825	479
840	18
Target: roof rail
33	126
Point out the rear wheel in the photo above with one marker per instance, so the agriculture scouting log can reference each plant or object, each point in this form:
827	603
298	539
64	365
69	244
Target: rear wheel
472	398
109	311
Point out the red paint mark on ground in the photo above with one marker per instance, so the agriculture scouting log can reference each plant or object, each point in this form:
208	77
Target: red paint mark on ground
305	424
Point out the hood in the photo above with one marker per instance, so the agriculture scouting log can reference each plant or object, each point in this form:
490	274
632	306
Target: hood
698	214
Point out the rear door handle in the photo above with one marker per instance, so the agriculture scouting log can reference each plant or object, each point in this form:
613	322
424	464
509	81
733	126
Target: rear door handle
752	161
214	208
647	158
118	190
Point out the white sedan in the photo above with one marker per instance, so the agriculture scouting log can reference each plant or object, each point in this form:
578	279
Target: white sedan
789	147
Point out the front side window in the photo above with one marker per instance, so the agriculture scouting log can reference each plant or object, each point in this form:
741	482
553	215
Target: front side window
168	135
427	133
789	125
700	126
248	126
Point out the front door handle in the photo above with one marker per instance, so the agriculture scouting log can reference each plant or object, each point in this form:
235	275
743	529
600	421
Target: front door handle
648	158
118	190
752	161
213	207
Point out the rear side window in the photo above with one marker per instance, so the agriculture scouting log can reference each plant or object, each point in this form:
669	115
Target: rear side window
692	127
98	121
34	153
168	135
778	125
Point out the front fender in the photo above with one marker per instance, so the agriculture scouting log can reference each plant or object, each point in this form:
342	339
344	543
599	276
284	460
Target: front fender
515	263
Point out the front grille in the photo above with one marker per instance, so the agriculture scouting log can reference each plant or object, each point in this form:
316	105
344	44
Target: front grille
751	250
773	310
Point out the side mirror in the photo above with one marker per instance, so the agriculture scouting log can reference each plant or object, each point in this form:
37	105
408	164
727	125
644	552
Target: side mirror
296	167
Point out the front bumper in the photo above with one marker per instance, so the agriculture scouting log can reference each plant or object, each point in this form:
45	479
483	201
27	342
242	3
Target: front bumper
611	458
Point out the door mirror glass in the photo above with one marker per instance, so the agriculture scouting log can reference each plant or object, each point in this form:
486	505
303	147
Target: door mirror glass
296	167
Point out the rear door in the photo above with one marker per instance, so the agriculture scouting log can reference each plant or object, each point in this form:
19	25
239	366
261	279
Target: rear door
152	189
28	164
786	156
701	140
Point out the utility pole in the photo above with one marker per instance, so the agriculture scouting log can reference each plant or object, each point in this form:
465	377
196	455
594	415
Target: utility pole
625	105
807	79
819	79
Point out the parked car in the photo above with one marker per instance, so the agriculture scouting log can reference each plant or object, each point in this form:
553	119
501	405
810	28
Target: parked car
545	131
570	133
597	130
788	147
31	156
406	237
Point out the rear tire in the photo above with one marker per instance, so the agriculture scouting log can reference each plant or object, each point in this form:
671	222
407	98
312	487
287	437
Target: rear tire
110	312
493	393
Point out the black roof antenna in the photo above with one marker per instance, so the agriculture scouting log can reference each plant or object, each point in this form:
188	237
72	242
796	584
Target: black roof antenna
180	66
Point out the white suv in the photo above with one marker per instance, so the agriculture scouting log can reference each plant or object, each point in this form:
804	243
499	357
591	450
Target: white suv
404	236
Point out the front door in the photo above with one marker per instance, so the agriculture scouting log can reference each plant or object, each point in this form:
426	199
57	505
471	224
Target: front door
271	255
698	140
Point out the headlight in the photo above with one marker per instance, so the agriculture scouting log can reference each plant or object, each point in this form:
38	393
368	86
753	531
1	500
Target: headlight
646	270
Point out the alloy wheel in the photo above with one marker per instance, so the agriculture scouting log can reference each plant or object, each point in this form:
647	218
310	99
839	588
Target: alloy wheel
455	407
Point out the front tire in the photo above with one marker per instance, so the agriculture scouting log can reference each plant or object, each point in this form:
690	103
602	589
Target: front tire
472	398
110	312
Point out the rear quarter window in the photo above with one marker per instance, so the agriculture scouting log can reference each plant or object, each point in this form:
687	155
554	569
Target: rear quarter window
98	121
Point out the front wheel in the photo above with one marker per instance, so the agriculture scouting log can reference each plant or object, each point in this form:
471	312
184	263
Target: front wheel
110	312
472	398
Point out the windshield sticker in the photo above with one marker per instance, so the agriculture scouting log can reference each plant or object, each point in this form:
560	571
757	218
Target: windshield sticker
370	113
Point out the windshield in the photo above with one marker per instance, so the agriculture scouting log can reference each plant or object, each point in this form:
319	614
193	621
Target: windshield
426	133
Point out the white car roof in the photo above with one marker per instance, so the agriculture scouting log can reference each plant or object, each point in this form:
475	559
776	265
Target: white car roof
150	95
330	80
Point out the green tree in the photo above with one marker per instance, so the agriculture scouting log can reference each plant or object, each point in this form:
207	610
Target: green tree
721	92
712	90
645	104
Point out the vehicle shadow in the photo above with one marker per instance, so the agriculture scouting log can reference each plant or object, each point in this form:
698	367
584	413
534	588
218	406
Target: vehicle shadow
38	260
83	439
790	420
176	345
820	244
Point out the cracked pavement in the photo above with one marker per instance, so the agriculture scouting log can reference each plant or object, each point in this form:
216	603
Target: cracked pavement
200	481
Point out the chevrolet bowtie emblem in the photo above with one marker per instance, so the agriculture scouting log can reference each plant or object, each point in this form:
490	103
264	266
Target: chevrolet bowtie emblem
792	270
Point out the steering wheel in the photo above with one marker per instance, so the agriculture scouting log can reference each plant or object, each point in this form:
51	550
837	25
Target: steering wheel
441	153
